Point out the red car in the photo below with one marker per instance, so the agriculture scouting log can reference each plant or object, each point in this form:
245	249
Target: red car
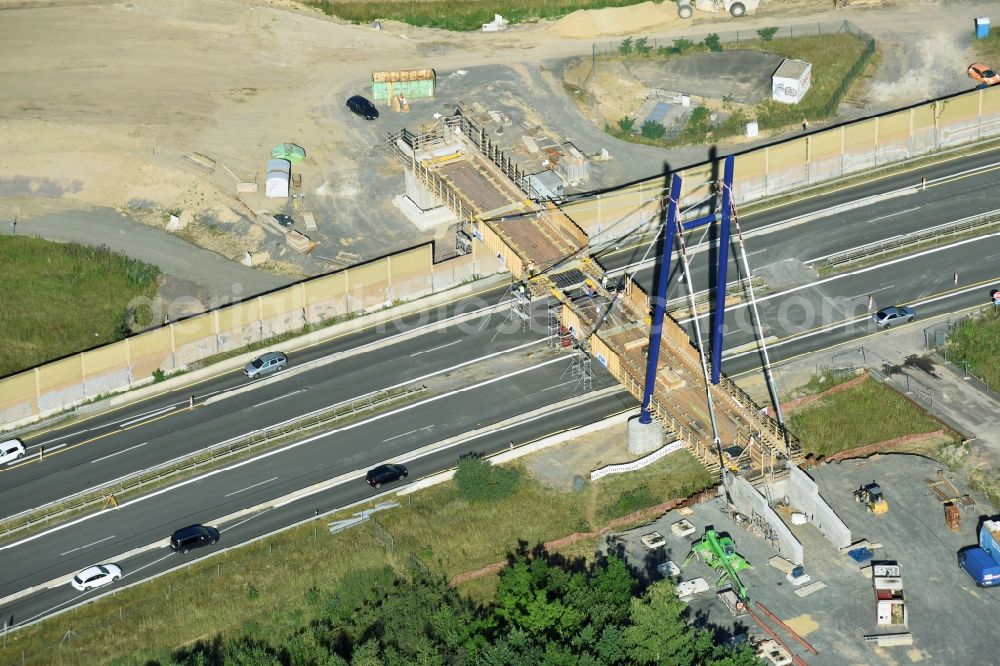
985	75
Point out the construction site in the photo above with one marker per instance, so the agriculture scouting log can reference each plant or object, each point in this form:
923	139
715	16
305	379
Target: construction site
810	566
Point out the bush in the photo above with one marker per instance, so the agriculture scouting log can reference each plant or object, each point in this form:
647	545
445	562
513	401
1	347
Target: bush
713	42
626	47
478	480
159	375
766	34
625	124
642	46
629	502
652	129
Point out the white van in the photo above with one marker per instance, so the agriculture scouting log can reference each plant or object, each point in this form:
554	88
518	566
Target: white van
10	450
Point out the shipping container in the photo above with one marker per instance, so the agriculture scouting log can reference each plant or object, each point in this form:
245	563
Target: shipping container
978	564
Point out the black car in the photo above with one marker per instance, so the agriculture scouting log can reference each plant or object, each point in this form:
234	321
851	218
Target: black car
193	536
385	474
362	107
284	220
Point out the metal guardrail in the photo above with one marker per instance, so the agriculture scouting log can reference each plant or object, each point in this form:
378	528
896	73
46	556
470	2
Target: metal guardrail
907	241
241	444
702	297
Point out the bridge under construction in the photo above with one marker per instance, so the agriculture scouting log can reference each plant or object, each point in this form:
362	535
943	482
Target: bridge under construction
458	166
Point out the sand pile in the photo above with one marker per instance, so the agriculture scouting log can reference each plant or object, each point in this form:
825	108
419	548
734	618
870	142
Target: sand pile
634	20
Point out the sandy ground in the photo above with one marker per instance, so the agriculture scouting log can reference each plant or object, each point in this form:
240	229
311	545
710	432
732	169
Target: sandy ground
103	100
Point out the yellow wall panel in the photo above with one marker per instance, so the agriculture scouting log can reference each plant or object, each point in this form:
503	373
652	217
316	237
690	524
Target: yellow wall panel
750	165
194	329
990	99
893	127
58	375
17	395
823	145
102	359
960	108
238	315
784	155
860	134
289	300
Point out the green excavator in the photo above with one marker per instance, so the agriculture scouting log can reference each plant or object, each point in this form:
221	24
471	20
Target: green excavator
719	552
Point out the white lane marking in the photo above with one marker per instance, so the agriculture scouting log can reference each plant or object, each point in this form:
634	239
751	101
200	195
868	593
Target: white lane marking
308	440
146	416
237	492
572	381
902	212
795	337
870	292
278	398
146	566
55	448
867	269
87	546
436	348
408	433
235	525
117	452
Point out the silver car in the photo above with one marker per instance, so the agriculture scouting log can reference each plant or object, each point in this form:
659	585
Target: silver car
886	317
265	364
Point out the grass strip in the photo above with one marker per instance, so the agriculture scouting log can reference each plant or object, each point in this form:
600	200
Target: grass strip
973	343
864	414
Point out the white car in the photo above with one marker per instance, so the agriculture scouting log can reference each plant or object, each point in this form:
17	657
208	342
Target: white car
10	450
96	576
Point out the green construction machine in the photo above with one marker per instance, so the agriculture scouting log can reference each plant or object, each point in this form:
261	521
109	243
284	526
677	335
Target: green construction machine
719	552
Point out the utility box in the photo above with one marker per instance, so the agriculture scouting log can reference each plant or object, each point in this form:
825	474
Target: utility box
411	83
791	81
887	578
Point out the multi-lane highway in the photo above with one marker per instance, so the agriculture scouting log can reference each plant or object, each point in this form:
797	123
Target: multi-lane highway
802	311
476	374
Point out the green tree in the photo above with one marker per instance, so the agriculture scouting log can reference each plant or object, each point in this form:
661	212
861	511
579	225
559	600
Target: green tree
712	42
626	46
658	633
642	46
653	130
767	34
625	124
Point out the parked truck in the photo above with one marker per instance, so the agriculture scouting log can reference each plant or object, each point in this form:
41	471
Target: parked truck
982	562
685	8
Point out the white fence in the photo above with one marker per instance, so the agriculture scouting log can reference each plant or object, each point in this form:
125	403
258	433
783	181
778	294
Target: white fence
637	464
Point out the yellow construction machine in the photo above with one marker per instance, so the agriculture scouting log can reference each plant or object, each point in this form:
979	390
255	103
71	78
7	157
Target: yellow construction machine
871	496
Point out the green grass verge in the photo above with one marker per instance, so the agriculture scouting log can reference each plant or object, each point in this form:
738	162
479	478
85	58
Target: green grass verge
861	415
457	15
678	475
975	342
270	587
59	298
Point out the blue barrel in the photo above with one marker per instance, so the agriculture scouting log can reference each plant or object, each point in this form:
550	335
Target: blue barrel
982	27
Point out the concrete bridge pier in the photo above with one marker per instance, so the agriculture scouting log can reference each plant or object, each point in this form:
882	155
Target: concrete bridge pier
644	438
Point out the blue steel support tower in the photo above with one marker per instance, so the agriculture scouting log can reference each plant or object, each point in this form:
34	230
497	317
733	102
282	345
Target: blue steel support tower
660	296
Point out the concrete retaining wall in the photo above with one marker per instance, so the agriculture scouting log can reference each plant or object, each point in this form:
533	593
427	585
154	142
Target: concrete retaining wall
748	501
803	493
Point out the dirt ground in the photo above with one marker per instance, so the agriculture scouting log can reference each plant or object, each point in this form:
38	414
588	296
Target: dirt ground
105	101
